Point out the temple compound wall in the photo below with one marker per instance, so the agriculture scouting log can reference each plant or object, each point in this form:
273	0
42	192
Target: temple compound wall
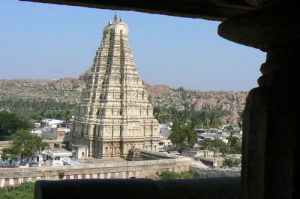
123	170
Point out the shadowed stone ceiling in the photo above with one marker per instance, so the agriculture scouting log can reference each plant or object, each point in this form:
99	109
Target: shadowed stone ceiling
206	9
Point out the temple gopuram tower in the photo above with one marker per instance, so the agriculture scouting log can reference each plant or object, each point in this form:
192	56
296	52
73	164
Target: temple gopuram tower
114	114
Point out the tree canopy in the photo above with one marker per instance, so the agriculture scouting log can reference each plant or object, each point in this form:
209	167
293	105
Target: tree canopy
234	145
37	110
207	119
24	145
183	135
10	122
216	145
202	119
185	122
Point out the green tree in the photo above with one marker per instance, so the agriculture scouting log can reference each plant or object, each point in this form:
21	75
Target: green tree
207	119
220	146
37	110
235	144
24	145
10	122
214	117
160	115
169	175
201	119
231	162
216	145
207	144
183	135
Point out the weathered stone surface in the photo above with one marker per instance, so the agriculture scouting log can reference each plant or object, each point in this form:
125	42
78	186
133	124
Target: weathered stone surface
207	9
271	115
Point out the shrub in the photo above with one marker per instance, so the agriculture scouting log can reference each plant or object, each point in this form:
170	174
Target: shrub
231	162
24	191
169	175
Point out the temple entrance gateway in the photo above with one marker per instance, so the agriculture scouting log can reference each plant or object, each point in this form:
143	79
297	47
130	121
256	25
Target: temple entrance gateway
114	115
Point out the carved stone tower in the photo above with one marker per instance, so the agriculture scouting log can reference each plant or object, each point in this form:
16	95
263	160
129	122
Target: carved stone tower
114	113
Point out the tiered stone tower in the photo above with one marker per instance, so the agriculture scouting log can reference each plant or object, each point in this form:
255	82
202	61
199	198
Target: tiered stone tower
114	114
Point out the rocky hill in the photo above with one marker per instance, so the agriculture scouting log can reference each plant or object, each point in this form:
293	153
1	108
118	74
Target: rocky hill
62	90
68	90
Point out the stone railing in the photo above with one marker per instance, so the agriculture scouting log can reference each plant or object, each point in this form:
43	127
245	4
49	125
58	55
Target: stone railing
124	169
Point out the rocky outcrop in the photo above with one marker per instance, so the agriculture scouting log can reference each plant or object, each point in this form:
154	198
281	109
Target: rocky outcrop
69	89
181	98
62	90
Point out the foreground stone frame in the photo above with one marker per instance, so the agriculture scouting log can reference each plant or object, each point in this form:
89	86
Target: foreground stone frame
217	188
271	115
271	130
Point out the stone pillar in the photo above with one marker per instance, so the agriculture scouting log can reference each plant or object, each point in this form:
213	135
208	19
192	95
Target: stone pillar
271	117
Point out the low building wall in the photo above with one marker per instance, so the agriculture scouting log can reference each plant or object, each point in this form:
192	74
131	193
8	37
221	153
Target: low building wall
126	169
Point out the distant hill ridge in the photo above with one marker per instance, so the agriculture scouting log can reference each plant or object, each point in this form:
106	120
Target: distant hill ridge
69	89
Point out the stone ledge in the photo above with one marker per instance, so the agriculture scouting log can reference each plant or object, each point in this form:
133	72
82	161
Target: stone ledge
216	188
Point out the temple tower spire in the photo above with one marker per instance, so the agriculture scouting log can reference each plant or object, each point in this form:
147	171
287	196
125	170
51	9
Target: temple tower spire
114	113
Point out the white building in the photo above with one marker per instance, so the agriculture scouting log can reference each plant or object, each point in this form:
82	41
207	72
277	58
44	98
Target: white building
164	141
56	156
52	123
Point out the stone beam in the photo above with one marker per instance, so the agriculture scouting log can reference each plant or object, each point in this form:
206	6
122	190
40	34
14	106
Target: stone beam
206	9
222	188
